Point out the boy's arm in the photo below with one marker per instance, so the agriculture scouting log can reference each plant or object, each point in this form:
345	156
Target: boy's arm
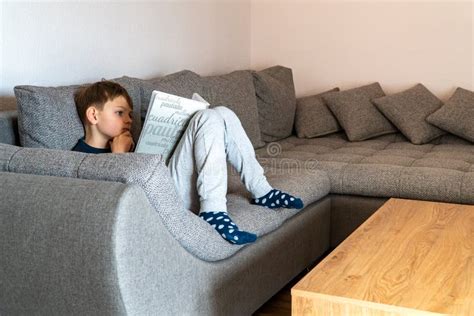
123	143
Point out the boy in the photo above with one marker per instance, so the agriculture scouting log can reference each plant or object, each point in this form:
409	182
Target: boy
199	164
105	109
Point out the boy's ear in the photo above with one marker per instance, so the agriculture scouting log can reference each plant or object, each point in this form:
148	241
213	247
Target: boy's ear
91	115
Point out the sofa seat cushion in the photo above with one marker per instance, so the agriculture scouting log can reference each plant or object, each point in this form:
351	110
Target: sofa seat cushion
386	166
309	184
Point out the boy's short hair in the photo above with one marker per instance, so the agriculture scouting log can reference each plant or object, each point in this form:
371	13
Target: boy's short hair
97	94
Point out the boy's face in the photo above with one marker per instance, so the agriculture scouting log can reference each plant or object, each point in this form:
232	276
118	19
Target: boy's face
115	117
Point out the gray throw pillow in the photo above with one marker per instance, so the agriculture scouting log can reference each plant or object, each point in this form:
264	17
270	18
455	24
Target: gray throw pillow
408	110
237	92
354	110
276	102
183	83
457	115
47	116
313	118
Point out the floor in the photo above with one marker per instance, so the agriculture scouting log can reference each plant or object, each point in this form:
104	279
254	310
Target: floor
280	303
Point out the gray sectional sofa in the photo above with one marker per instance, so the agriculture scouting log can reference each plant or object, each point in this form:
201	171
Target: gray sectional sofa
107	234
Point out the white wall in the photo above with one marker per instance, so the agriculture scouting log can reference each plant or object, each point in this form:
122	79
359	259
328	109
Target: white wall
66	42
350	43
327	43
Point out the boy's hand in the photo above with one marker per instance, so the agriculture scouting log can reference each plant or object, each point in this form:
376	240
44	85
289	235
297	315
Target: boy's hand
122	143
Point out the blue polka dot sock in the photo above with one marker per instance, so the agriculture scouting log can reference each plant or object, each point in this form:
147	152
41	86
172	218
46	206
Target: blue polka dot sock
227	228
276	199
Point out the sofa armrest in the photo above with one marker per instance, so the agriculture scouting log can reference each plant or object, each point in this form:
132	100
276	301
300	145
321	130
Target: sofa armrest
9	127
57	244
145	170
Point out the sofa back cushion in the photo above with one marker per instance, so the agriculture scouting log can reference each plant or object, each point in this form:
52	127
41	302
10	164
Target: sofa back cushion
408	110
456	115
237	92
354	110
9	127
313	118
47	116
183	83
276	102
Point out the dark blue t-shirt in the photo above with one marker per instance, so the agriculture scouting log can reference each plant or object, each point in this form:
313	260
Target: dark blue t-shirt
83	147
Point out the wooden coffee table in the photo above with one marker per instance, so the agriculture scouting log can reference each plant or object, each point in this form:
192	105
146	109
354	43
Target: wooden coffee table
408	258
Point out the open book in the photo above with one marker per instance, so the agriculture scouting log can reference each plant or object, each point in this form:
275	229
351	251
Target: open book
167	117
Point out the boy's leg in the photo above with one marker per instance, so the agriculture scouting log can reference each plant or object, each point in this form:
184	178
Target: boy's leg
199	170
241	155
198	164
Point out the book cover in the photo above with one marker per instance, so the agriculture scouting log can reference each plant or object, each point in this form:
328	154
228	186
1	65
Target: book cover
165	122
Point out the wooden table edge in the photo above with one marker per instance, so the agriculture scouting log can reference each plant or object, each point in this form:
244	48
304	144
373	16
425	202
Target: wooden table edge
295	293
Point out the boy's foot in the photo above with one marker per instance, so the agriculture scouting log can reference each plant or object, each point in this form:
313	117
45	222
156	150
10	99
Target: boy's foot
227	228
276	199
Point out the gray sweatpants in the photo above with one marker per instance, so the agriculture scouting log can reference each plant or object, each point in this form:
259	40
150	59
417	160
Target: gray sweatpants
199	164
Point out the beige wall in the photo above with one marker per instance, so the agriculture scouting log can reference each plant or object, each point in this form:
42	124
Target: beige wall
350	43
64	42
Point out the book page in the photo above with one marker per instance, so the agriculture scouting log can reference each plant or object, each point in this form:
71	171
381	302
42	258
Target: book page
167	118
